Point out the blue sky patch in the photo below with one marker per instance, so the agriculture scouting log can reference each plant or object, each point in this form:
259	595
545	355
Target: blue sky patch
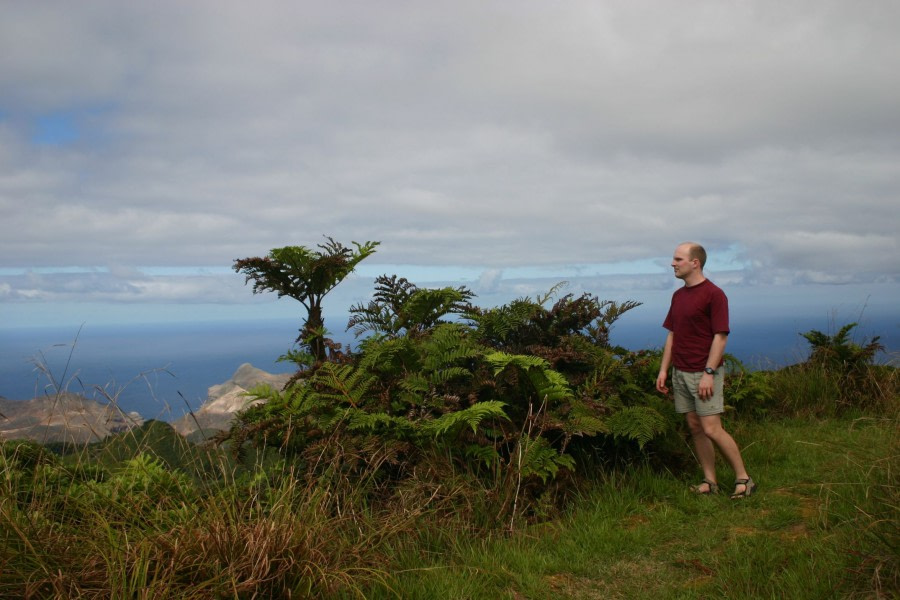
56	129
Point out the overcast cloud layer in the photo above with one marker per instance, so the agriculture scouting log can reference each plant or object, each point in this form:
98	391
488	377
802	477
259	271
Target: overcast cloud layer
486	135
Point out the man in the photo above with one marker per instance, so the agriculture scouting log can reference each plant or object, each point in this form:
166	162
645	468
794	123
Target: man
698	331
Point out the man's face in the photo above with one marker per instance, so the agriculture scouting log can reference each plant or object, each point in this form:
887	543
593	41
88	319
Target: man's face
682	264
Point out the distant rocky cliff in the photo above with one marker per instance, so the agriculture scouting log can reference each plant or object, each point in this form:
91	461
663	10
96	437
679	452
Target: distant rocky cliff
226	399
73	418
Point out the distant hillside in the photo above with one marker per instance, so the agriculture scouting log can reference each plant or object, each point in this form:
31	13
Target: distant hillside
72	418
65	417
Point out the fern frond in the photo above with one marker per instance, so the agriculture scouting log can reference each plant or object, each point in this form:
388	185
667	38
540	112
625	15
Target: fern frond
540	459
542	300
585	425
390	356
263	391
449	344
485	455
840	338
549	385
342	384
416	383
358	420
370	319
638	423
469	417
446	375
501	360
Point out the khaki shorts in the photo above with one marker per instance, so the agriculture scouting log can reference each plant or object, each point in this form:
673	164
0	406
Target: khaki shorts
687	398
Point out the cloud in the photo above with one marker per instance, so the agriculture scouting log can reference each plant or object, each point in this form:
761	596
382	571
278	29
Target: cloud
489	281
483	135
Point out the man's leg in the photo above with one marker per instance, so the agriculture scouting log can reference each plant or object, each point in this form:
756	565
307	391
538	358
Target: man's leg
703	445
711	426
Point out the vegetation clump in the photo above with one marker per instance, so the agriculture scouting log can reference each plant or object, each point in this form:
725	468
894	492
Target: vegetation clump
840	378
494	399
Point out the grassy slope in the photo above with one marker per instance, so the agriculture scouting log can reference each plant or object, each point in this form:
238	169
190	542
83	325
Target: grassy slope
821	526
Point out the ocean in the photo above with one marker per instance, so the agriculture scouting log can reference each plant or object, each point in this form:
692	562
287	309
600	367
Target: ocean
162	371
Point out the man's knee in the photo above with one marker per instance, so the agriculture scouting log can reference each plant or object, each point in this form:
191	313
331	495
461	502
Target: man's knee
695	426
711	426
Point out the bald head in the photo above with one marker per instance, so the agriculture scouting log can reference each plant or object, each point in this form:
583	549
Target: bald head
695	251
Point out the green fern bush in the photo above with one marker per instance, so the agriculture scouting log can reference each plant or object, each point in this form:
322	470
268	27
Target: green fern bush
839	377
496	400
748	393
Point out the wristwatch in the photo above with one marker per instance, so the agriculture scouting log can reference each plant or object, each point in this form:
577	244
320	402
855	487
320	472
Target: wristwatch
709	371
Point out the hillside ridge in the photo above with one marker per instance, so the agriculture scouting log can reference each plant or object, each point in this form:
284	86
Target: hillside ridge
74	418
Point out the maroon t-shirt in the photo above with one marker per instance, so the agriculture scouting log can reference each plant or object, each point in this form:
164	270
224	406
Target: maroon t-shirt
696	314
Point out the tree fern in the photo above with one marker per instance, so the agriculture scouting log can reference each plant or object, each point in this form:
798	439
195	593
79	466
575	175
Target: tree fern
427	307
399	306
307	276
380	315
839	351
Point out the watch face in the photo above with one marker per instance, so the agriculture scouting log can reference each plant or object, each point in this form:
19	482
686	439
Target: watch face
710	371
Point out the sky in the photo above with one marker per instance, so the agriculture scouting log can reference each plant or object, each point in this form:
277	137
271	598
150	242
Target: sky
506	146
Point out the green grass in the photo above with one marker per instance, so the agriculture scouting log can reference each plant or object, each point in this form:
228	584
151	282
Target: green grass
823	525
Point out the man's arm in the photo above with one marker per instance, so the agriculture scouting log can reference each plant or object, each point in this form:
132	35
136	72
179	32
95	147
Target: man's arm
665	364
716	352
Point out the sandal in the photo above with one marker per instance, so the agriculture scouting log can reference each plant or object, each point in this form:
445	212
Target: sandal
749	488
713	488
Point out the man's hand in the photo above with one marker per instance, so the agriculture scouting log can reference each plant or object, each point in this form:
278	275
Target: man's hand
706	389
661	383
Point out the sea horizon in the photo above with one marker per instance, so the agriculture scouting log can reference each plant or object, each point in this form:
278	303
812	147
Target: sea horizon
164	370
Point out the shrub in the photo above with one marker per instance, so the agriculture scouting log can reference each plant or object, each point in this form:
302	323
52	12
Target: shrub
749	393
839	377
500	396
